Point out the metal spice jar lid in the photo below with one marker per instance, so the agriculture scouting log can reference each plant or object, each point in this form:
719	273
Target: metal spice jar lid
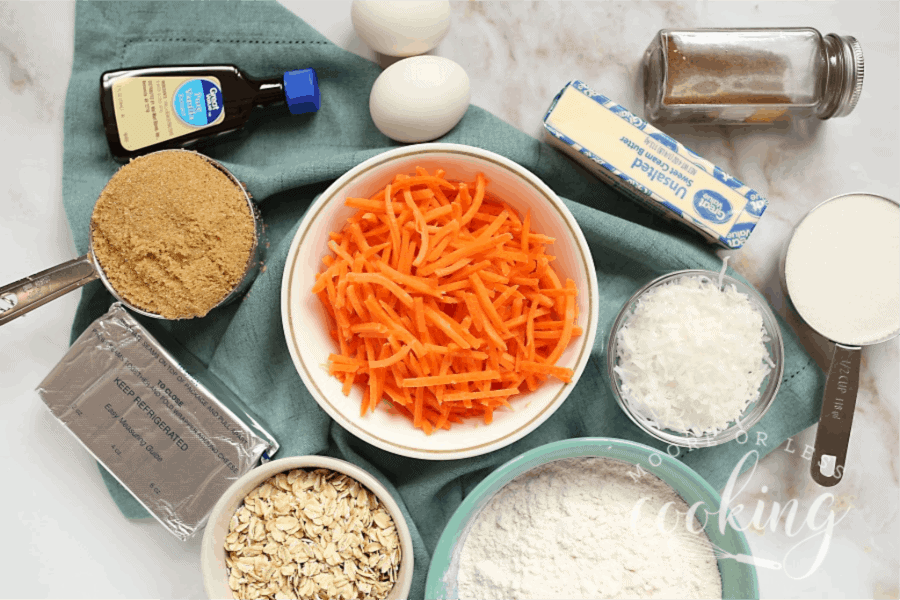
852	73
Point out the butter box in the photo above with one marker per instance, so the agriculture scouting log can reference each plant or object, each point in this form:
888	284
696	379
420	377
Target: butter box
650	167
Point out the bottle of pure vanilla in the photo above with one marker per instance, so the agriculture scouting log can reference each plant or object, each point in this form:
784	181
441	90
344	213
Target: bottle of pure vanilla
151	108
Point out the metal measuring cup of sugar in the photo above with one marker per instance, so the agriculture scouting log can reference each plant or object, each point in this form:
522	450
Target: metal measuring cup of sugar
25	295
842	382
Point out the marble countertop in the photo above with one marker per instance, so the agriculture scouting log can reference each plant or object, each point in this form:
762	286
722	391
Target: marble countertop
66	537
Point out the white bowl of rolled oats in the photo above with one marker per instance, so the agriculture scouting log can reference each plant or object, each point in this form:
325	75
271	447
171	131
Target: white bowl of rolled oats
307	527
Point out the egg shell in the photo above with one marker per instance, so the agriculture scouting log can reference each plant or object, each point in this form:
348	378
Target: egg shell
402	28
419	99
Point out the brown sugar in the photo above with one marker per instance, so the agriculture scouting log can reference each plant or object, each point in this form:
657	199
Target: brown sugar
724	78
173	234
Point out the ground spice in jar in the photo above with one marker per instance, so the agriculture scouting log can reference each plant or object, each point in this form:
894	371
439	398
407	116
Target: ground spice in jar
739	75
173	234
739	78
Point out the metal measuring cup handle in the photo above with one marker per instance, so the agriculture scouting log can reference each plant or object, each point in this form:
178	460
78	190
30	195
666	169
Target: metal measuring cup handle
26	294
838	403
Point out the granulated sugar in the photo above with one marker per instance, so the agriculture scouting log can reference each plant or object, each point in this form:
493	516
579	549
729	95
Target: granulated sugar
173	234
565	531
843	269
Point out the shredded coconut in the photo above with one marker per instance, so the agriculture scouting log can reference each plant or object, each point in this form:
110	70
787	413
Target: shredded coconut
570	529
722	272
692	356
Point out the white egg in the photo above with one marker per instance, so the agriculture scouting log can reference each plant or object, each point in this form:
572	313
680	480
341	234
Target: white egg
419	99
403	28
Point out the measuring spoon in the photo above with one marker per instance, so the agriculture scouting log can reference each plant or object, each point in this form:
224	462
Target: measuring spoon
23	296
826	274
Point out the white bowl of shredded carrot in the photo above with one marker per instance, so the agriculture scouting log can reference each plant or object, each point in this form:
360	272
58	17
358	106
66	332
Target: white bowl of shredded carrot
439	301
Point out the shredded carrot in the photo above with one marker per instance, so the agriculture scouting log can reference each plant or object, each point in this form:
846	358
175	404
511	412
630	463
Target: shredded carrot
560	372
382	280
454	378
480	395
391	360
444	301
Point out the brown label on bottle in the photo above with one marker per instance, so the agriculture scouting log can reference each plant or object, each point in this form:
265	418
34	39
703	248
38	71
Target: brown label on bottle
150	110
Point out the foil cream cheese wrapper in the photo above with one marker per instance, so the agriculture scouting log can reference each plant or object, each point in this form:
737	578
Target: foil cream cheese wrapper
175	439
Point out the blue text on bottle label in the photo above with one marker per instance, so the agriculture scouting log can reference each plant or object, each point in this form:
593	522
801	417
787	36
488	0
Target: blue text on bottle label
198	102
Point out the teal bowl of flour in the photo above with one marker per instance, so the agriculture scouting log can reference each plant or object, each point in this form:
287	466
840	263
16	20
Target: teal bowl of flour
735	563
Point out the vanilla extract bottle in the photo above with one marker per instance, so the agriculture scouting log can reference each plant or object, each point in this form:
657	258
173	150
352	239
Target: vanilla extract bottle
152	108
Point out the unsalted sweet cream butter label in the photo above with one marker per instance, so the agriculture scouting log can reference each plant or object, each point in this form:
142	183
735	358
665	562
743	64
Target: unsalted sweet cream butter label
150	110
651	167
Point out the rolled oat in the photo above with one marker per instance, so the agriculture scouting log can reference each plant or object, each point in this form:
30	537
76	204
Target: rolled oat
312	534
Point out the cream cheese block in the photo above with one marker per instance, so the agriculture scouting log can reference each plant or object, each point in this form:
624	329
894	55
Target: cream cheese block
650	167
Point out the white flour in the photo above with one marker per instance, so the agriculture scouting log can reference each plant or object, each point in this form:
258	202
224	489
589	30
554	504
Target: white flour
563	531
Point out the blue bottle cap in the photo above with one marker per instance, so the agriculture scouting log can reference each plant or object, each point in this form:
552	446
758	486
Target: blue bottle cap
301	88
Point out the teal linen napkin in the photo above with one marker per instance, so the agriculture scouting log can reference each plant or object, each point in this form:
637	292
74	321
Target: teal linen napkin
286	161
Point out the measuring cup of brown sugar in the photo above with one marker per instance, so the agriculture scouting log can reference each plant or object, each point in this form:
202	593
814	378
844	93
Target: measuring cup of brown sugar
173	235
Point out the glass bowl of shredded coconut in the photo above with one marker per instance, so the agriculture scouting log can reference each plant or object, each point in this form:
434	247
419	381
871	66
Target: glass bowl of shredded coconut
695	358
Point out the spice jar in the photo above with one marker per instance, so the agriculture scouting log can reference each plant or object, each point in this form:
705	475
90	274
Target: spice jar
748	76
